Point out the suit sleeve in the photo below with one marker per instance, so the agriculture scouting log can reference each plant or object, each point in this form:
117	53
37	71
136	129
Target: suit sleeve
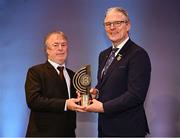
138	79
35	99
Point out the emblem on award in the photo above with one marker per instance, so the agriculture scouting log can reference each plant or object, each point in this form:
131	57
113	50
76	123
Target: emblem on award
82	83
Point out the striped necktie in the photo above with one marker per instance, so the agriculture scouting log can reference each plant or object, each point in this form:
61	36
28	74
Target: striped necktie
109	60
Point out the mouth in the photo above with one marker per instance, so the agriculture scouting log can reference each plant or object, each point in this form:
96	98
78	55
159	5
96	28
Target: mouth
113	33
60	54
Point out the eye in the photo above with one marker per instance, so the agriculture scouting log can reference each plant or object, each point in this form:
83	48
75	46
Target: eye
63	44
118	22
107	24
55	45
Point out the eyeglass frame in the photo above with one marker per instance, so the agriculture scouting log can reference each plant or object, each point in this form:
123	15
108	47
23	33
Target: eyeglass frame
115	23
56	45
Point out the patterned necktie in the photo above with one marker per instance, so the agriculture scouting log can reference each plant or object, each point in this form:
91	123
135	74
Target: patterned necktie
109	60
61	75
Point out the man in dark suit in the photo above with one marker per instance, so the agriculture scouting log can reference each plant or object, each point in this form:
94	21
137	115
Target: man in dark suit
123	81
50	94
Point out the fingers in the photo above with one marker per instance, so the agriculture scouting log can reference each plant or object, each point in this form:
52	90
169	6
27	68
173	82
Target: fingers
95	106
78	94
72	105
93	91
79	108
76	100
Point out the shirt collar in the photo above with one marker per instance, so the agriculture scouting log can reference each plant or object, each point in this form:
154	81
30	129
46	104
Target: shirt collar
54	64
121	44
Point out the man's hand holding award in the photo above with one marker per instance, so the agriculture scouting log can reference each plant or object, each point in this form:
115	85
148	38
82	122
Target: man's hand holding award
82	83
88	95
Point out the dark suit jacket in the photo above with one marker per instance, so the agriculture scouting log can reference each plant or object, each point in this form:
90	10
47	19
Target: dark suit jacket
46	98
123	90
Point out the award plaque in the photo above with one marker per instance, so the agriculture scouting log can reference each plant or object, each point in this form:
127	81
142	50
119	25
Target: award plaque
82	83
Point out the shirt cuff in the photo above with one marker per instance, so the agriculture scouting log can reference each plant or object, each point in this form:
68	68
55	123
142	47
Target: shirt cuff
65	107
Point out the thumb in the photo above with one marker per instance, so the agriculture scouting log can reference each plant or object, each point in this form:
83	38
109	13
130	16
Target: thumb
93	91
77	99
94	100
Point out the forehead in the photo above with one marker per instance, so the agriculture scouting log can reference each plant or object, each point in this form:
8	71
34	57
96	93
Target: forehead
114	16
56	38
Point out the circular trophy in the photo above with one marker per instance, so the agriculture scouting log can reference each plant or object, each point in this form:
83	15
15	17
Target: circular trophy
82	83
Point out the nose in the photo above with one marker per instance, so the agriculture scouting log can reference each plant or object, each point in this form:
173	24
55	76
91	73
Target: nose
112	26
60	47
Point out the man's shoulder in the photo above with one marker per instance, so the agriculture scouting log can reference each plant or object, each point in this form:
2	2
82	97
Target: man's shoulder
106	50
135	47
38	66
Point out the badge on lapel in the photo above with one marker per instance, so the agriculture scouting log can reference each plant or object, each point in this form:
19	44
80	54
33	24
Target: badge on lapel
119	56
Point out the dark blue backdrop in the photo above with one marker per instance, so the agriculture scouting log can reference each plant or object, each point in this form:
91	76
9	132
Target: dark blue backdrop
23	24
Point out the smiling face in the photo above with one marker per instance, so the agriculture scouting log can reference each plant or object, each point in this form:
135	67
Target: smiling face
117	26
57	47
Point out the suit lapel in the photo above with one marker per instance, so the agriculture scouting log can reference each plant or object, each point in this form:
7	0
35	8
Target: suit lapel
52	72
105	57
116	61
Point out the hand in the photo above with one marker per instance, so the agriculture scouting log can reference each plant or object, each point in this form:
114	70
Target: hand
78	94
72	105
96	106
94	93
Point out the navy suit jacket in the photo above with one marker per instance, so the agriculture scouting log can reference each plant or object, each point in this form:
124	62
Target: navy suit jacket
46	97
123	90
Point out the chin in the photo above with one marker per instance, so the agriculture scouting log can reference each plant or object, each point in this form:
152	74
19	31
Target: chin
114	40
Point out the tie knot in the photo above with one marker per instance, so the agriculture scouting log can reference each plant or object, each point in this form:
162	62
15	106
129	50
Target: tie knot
60	68
114	50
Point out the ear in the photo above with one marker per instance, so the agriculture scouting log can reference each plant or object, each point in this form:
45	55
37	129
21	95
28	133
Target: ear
128	26
46	50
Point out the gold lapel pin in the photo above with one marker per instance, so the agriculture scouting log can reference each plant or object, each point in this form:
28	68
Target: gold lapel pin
119	56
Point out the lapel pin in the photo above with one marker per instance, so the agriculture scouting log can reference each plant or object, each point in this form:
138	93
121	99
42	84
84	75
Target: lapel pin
119	56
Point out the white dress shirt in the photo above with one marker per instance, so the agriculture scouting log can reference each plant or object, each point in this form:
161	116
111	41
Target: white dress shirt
66	75
120	45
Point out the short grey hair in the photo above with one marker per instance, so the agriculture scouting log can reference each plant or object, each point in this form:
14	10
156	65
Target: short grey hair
54	32
118	9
